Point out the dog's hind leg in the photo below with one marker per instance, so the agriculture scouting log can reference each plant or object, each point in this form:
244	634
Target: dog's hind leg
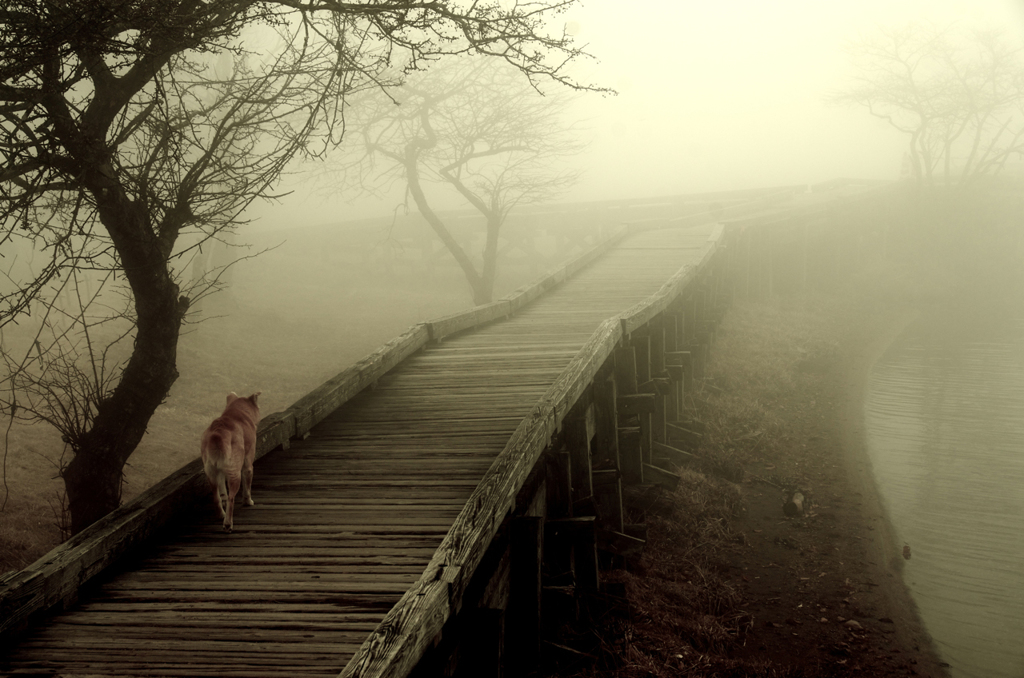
233	482
219	490
222	494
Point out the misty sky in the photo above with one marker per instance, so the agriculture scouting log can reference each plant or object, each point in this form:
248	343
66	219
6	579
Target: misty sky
724	95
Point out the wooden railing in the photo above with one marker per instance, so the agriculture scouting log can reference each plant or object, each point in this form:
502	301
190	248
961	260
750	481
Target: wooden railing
640	363
411	627
55	579
399	642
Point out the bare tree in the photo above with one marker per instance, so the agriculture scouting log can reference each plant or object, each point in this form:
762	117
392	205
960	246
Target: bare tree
123	152
470	126
958	96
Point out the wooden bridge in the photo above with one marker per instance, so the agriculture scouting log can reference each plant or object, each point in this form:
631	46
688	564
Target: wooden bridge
405	509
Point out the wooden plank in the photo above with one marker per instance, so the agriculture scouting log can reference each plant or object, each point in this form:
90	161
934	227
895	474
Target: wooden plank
414	622
527	293
578	263
673	454
625	372
637	403
523	617
383	654
579	374
661	477
459	322
581	532
684	437
619	543
481	647
680	367
631	455
398	643
606	436
662	385
645	311
314	407
578	433
275	431
57	575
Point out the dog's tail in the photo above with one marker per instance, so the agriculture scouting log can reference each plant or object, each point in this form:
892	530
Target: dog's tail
216	441
213	451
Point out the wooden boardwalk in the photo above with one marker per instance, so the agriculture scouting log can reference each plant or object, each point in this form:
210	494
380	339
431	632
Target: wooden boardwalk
346	520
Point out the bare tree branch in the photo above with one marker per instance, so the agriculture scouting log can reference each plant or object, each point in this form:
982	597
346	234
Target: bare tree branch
132	130
474	127
957	95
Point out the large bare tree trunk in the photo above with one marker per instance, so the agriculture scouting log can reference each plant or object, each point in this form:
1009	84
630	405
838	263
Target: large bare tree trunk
93	477
480	285
490	268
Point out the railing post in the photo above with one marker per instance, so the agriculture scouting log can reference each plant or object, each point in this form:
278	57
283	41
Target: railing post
674	401
630	452
607	481
643	411
526	542
579	431
659	384
481	650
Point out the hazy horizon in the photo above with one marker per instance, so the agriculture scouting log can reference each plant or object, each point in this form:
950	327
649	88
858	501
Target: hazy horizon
715	97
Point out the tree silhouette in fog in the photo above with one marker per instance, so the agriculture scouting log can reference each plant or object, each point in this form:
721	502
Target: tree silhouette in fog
957	95
469	126
133	131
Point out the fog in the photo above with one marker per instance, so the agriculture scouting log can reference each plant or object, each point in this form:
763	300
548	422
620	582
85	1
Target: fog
713	96
710	97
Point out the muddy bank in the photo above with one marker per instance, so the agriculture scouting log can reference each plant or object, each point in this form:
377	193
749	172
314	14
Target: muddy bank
881	547
825	584
729	584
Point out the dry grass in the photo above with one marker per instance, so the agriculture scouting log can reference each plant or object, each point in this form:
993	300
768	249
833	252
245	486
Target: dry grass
680	615
258	340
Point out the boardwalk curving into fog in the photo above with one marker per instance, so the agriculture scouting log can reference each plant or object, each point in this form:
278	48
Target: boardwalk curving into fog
346	520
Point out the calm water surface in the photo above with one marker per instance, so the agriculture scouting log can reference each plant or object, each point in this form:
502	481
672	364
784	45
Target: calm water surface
944	423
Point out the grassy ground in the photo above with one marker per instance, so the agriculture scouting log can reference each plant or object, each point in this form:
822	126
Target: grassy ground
288	326
729	585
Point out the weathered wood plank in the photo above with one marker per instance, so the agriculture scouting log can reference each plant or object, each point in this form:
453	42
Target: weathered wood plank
314	407
619	544
673	454
578	433
411	427
398	642
459	322
682	436
525	587
637	403
661	477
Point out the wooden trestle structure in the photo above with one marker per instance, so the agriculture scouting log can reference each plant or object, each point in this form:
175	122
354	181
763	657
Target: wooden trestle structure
406	506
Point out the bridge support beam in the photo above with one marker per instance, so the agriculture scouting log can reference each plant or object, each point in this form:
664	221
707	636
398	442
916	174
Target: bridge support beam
523	617
481	647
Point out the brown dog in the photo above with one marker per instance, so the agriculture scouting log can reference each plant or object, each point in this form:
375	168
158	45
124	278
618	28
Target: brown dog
229	449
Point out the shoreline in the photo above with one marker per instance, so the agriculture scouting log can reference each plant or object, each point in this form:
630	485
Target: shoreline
880	545
730	583
823	586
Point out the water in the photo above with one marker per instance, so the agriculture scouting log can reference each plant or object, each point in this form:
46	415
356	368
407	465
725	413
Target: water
944	425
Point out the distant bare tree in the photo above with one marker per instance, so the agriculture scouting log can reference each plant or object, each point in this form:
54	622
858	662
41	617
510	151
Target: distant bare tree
474	127
124	151
959	96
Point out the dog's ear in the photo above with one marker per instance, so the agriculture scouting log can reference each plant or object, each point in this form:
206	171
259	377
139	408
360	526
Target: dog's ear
254	396
232	397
